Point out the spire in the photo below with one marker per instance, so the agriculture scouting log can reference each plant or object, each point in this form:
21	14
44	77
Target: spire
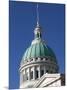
37	15
37	30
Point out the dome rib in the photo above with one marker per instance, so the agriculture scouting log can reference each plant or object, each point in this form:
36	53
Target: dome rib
29	52
37	50
42	50
25	55
33	51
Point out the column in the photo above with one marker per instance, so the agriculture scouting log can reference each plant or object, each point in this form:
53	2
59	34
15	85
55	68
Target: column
21	78
44	70
29	73
25	75
39	71
34	73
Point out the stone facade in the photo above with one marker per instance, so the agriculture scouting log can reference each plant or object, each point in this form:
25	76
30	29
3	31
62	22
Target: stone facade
47	80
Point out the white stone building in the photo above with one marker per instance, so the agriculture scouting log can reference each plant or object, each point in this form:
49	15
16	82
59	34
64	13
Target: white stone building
39	67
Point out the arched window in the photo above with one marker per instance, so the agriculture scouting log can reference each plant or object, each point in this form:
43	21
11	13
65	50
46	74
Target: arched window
31	75
36	74
41	58
36	58
46	58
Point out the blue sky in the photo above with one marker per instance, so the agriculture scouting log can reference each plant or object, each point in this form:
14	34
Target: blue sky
22	22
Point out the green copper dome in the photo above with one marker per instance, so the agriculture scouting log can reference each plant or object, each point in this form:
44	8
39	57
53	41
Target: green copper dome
38	50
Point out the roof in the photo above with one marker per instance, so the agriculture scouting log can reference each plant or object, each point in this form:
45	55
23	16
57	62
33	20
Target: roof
38	50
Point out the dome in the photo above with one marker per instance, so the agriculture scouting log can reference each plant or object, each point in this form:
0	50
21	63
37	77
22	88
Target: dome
39	49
